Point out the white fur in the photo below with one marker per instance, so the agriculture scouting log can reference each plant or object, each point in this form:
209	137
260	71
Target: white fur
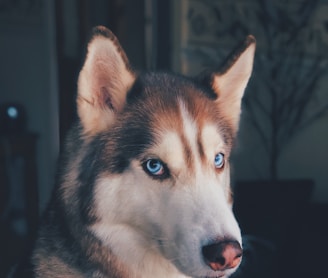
170	150
159	227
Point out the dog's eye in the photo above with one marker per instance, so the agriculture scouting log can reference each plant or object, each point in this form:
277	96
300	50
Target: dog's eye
219	161
155	168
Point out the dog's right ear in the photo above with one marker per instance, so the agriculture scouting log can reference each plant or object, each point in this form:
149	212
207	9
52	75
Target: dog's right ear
103	82
229	82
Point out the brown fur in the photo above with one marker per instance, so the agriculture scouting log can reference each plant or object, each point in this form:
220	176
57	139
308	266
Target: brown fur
120	115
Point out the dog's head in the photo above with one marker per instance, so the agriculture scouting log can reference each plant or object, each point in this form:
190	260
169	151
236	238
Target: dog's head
158	168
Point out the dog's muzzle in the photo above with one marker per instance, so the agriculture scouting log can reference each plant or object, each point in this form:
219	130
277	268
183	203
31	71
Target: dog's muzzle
222	255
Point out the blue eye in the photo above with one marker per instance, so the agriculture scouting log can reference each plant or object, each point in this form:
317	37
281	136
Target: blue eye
219	160
155	168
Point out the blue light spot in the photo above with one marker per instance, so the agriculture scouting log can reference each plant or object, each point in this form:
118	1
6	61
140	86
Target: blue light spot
12	112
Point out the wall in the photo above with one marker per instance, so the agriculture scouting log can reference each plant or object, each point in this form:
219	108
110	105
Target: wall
28	76
304	157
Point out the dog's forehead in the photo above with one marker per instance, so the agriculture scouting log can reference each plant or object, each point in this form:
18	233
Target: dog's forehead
188	143
165	87
160	94
170	103
183	120
168	117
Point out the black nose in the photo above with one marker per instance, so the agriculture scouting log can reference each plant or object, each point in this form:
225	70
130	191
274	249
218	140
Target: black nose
222	255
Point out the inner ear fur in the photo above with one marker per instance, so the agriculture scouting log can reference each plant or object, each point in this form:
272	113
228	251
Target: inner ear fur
230	81
104	81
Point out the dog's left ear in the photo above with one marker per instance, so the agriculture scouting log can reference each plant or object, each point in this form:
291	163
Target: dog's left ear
230	82
103	83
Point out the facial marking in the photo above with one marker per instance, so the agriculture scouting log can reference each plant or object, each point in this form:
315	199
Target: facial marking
202	137
190	130
170	150
212	143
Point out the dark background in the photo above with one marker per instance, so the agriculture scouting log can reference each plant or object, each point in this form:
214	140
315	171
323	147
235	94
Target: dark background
42	47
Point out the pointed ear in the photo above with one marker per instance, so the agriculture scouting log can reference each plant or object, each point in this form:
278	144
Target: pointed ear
103	82
230	82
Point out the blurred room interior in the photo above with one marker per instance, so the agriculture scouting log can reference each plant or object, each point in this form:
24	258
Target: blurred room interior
280	164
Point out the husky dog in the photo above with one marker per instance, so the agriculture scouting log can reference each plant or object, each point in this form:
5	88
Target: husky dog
143	188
